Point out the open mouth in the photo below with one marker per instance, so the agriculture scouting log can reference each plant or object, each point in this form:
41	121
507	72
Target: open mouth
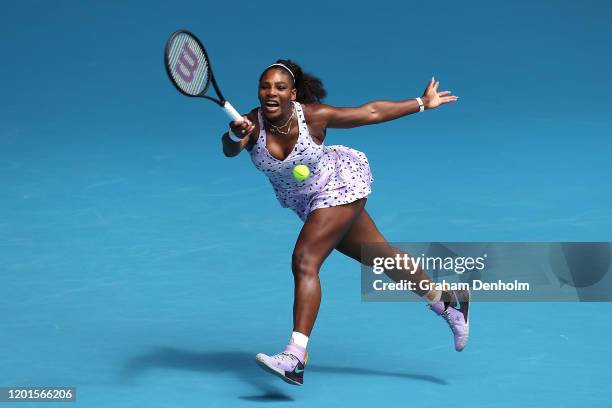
271	106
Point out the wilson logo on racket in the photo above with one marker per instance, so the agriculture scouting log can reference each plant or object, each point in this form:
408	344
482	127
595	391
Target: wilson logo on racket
184	67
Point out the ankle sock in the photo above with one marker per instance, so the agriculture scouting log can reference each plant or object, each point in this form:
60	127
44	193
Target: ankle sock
297	346
299	339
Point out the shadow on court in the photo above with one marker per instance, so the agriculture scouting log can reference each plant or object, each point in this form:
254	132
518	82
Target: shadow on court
369	372
241	365
235	363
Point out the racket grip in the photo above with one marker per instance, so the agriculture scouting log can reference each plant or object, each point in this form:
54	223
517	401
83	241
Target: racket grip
231	112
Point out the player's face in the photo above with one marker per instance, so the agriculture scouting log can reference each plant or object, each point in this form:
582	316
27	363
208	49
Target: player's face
276	92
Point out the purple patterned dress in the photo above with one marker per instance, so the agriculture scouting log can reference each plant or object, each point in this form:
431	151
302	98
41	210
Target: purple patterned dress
338	174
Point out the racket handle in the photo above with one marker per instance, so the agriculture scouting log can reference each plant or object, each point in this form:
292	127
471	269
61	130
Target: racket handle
231	112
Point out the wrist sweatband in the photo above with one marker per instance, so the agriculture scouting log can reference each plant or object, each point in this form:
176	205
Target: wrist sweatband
421	105
233	137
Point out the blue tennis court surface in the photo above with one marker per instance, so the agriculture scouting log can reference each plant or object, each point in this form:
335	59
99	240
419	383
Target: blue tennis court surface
124	280
145	269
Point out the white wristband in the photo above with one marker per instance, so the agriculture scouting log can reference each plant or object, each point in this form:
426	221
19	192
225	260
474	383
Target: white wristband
421	105
233	137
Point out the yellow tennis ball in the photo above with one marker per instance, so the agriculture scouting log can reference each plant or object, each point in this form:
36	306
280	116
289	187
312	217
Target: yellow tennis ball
301	172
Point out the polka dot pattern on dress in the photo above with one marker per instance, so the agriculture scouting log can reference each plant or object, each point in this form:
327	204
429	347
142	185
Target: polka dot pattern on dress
338	174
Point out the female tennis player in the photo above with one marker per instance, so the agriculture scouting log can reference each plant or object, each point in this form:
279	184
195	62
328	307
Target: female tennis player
288	129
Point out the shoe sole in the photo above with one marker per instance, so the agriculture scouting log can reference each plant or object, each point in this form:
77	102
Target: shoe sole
276	373
467	323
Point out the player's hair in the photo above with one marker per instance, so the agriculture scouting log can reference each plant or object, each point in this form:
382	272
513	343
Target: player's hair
309	88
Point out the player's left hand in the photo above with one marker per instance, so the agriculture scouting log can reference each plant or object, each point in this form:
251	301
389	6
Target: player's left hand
432	98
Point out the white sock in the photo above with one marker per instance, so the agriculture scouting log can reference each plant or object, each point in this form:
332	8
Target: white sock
299	339
433	296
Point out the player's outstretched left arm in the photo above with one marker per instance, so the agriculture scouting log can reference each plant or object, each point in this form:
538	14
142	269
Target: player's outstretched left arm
380	111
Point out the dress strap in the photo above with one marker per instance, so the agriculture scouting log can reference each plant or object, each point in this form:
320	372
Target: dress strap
301	119
261	138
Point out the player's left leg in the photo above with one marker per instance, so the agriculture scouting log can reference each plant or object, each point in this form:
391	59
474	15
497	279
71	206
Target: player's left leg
453	306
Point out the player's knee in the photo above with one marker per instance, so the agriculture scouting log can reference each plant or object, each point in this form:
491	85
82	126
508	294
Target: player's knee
302	265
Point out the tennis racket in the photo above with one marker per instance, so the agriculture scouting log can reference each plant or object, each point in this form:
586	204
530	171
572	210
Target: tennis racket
188	67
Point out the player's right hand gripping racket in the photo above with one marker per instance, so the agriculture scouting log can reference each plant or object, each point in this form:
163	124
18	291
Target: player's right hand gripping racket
188	67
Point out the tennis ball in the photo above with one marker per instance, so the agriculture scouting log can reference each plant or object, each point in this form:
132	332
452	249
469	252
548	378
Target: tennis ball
301	172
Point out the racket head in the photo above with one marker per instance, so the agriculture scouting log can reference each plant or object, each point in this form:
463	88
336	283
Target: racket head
187	63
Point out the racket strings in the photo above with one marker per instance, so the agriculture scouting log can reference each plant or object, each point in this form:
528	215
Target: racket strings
188	64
